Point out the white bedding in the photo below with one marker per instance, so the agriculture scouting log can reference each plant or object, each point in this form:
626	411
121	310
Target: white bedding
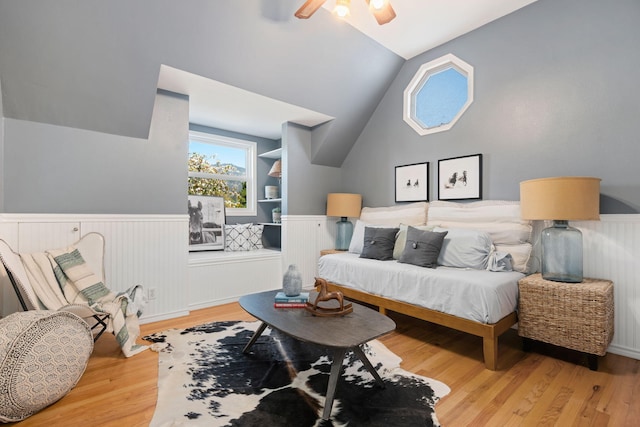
479	295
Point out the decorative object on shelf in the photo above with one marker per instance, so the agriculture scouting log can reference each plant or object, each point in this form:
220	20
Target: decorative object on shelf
344	205
276	169
276	214
270	191
460	178
412	183
292	281
561	199
323	306
381	9
206	222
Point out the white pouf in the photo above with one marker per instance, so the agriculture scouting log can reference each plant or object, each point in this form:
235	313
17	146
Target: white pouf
43	354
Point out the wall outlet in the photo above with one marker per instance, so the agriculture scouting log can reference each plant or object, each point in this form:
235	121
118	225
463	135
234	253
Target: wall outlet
151	294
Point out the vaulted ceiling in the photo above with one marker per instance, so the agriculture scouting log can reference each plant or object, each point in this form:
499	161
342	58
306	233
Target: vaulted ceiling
247	66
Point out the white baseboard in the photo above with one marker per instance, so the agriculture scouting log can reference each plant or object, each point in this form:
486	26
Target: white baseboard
164	316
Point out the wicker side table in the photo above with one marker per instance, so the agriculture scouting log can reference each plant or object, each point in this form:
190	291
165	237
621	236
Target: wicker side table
578	316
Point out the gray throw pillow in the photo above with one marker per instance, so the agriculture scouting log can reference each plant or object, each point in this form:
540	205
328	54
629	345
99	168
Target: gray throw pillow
422	247
379	243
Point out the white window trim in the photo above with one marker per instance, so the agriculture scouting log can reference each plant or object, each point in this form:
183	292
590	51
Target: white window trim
251	161
421	76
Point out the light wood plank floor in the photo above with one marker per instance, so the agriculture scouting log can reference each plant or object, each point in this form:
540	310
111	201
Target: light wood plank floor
546	387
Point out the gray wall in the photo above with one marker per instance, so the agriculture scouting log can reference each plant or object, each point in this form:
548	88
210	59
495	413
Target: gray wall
556	93
305	185
54	169
94	64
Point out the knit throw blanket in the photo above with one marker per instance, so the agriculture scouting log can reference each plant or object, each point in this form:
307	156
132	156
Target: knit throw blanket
61	277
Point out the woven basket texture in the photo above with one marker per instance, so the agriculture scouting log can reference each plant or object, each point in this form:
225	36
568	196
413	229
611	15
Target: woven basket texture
578	316
43	354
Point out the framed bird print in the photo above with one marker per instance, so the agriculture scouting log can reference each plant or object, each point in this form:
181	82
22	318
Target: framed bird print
412	182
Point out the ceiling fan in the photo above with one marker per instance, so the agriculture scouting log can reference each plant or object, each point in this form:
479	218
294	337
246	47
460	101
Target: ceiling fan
381	9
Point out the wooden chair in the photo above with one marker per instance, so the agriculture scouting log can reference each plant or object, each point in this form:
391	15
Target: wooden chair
91	247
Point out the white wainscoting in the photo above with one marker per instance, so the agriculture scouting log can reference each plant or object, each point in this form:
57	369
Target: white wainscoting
222	277
150	250
303	237
612	251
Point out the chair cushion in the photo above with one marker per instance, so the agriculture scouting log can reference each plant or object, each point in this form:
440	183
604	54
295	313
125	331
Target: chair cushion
43	354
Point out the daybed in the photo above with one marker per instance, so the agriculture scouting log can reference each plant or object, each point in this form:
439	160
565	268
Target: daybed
474	286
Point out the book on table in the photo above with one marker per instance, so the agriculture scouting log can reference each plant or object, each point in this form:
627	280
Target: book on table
289	304
296	301
302	297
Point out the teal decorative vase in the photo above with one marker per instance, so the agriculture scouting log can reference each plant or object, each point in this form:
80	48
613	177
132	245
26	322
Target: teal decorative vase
292	281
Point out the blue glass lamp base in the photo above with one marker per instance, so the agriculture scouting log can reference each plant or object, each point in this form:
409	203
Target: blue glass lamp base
562	253
344	231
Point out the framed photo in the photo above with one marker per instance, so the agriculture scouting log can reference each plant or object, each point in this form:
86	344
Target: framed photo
460	178
206	223
412	183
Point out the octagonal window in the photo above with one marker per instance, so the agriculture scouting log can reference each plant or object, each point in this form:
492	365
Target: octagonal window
438	95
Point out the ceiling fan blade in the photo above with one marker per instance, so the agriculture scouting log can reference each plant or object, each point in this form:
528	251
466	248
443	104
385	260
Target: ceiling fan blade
308	8
384	15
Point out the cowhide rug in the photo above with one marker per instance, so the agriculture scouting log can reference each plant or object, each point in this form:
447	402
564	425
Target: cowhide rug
204	379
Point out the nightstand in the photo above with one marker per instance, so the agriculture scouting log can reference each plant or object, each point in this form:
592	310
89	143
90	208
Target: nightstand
331	251
578	316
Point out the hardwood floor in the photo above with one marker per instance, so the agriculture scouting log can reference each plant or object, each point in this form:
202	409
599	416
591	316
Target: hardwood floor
530	389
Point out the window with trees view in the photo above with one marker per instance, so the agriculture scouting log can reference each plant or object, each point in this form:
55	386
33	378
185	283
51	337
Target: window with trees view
223	167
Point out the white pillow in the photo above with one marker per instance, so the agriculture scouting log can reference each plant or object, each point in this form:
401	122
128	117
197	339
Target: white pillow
357	238
401	238
521	255
501	219
411	214
464	248
242	237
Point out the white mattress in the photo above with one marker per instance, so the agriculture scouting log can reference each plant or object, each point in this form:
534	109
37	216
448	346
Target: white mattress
480	295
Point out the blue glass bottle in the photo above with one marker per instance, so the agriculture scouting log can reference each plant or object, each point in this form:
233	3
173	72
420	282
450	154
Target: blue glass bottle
344	231
562	253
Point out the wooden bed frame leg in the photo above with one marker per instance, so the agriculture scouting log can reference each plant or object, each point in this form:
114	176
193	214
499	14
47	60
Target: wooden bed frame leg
490	351
382	310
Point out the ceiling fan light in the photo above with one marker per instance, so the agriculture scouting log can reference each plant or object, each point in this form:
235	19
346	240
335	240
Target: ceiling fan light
378	4
342	8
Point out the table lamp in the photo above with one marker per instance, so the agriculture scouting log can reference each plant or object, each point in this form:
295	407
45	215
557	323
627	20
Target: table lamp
344	205
276	169
561	199
271	191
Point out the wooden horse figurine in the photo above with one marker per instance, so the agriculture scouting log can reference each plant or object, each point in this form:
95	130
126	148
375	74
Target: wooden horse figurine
324	296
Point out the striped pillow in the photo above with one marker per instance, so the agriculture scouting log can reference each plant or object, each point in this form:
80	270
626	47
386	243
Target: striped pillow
72	267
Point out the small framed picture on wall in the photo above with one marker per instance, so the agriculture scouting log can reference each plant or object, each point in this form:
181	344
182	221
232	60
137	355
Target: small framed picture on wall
460	178
412	183
206	223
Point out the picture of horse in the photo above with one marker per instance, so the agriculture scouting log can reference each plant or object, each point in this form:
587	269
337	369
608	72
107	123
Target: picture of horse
460	178
206	221
457	178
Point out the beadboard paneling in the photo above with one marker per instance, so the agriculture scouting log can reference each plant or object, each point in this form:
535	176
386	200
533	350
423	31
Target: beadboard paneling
612	251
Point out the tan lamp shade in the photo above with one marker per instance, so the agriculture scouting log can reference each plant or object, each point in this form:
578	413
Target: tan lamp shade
276	169
561	198
344	204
